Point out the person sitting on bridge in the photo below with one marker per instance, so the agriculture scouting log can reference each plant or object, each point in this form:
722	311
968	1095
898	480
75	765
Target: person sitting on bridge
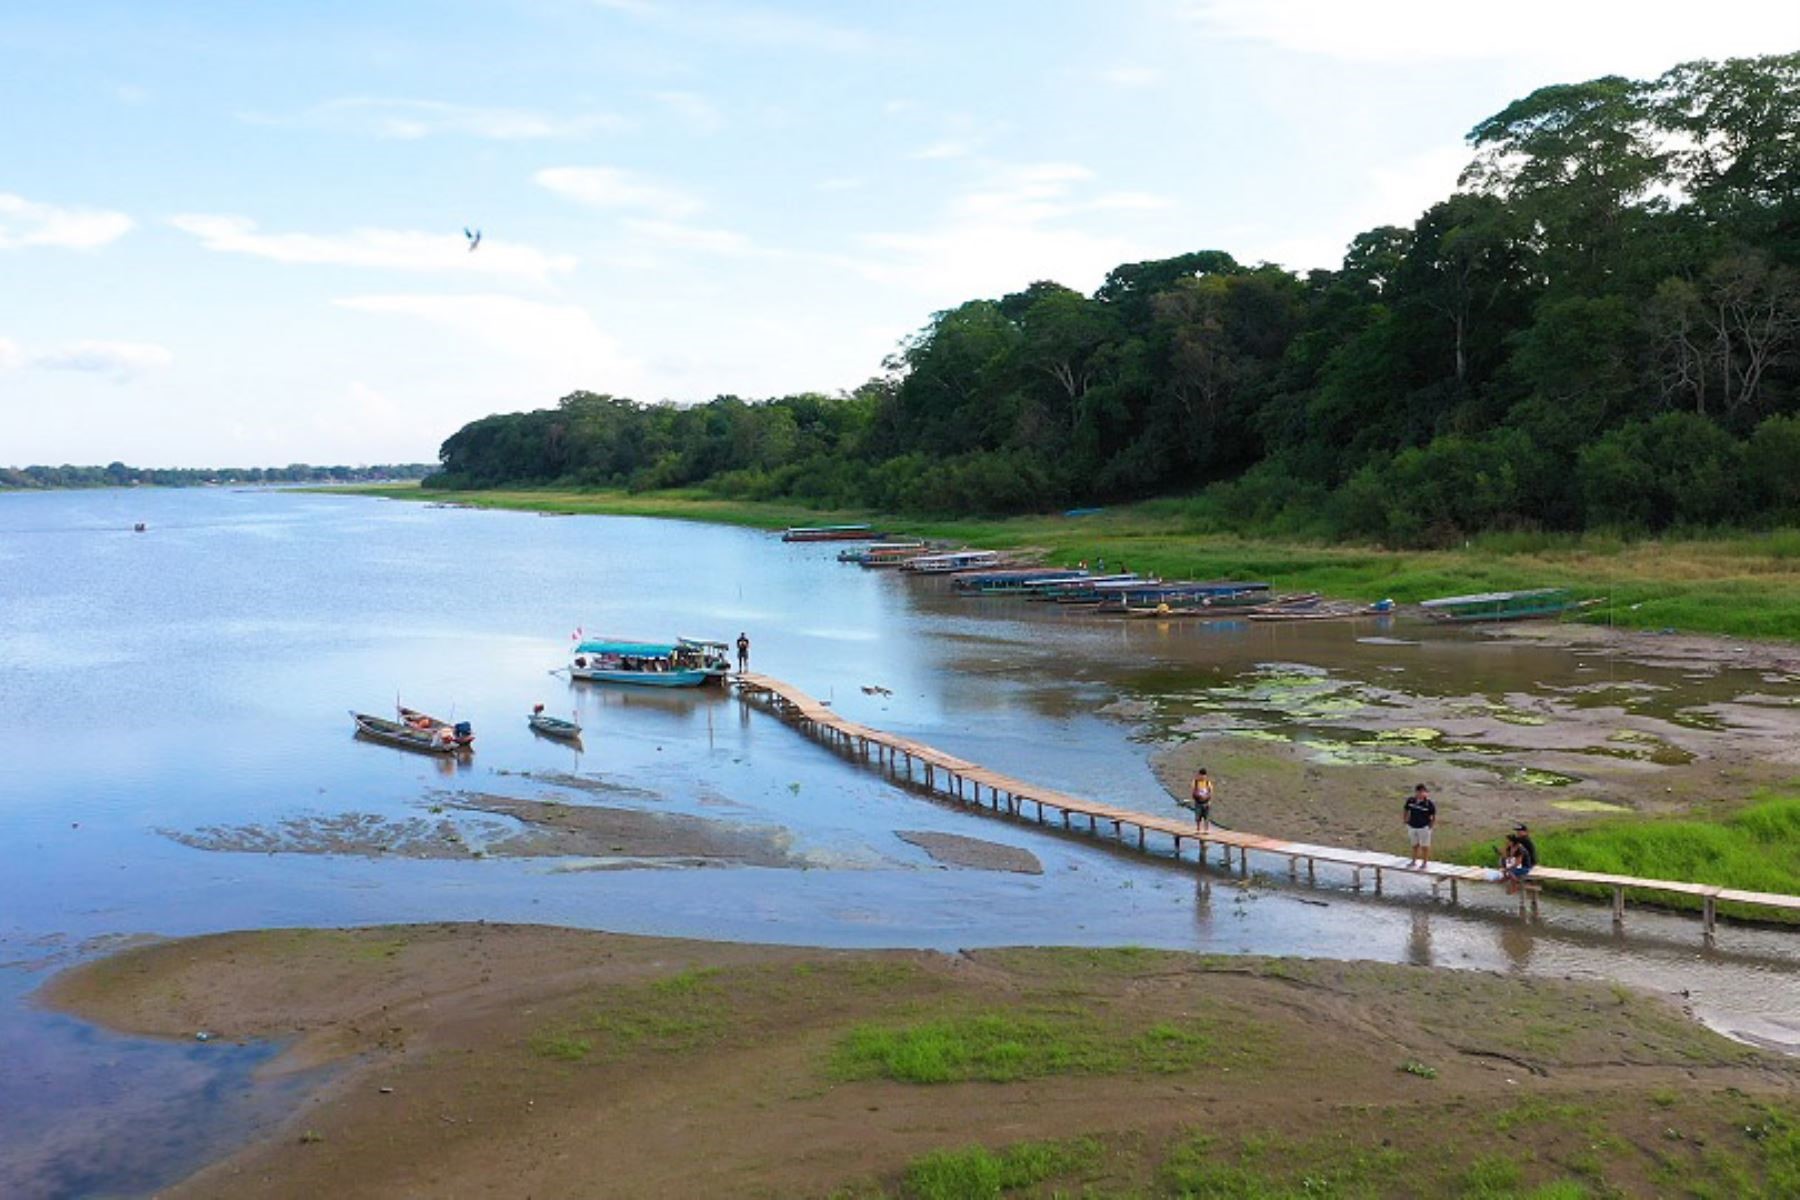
1521	857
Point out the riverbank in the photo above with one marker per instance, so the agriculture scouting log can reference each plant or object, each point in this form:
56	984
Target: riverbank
474	1058
1746	585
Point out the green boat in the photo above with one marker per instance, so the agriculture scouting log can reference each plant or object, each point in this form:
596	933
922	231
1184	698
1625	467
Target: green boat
1504	606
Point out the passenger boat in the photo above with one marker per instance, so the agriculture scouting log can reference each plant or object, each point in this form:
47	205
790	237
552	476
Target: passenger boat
883	551
461	731
554	727
953	560
1009	581
1229	605
681	663
829	533
1503	606
395	733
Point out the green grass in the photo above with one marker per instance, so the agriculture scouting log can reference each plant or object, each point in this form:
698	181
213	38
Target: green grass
1002	1047
1756	848
976	1172
1736	584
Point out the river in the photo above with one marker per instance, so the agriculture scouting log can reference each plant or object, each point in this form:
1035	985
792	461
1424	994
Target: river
174	705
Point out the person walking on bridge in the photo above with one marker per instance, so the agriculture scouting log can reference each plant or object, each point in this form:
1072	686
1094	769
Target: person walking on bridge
1202	801
1421	818
743	645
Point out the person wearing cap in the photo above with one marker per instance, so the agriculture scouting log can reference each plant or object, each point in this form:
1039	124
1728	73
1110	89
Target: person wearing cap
1525	858
1421	817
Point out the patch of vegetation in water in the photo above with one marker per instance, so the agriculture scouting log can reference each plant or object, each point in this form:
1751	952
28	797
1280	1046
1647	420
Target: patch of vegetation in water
1345	754
1694	718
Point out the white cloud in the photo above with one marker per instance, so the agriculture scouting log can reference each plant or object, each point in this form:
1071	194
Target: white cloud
1391	195
696	110
557	339
1132	76
1023	223
394	249
1598	36
842	183
947	148
613	187
410	119
688	237
118	361
29	223
737	23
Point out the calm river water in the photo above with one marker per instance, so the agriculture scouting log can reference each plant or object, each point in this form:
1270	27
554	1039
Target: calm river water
198	675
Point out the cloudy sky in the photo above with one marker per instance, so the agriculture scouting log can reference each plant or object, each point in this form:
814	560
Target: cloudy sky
231	234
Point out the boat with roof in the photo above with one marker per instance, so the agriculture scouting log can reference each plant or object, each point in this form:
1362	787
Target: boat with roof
684	662
1524	605
829	533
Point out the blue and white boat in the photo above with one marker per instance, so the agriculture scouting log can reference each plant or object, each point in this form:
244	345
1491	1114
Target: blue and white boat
681	663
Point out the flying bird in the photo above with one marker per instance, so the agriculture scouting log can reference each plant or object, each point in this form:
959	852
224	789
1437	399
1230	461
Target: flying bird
474	236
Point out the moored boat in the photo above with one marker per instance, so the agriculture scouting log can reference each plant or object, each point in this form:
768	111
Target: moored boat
953	560
881	552
555	727
407	737
460	731
681	663
829	533
1504	606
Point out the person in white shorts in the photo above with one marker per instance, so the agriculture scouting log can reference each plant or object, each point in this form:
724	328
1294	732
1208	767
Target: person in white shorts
1421	817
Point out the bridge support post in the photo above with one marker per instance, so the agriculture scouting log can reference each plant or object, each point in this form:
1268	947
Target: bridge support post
1618	906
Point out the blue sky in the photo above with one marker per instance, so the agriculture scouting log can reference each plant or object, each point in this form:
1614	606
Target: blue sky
230	234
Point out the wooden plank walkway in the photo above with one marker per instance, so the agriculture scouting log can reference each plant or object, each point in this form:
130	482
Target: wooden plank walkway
965	781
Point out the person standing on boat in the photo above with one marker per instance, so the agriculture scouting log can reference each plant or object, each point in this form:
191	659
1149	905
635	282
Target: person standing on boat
1421	818
1202	801
743	645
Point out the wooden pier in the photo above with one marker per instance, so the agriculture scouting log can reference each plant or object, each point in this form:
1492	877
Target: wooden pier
971	783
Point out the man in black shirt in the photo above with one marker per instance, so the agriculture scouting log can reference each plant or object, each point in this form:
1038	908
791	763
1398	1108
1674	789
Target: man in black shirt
1421	816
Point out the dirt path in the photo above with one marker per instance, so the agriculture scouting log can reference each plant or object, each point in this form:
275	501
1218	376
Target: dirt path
479	1060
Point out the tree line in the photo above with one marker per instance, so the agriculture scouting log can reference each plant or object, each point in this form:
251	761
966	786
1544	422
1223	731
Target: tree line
117	474
1600	327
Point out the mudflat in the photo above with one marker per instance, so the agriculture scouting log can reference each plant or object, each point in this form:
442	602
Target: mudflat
486	1060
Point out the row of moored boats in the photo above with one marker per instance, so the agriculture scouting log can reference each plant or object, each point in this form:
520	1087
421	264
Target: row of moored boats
1123	593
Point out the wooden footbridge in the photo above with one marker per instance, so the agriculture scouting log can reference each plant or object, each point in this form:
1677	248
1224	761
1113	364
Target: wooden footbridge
971	783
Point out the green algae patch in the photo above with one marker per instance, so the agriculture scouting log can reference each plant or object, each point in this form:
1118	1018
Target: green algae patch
1589	806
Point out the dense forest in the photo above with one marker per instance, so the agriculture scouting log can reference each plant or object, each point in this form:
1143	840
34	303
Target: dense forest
1600	328
119	475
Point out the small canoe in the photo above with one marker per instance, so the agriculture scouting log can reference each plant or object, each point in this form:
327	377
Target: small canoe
461	731
554	727
394	733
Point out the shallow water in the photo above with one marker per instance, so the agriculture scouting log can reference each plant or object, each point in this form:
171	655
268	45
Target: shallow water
199	675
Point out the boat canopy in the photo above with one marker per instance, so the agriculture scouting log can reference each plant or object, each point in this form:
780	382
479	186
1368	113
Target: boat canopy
631	649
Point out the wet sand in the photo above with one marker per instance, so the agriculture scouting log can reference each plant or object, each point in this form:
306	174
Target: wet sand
474	1060
483	824
973	853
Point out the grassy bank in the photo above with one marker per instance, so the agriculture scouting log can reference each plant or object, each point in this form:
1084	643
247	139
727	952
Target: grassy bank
1745	585
1756	848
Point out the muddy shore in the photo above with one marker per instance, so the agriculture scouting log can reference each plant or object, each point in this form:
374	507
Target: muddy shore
474	1060
1300	752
